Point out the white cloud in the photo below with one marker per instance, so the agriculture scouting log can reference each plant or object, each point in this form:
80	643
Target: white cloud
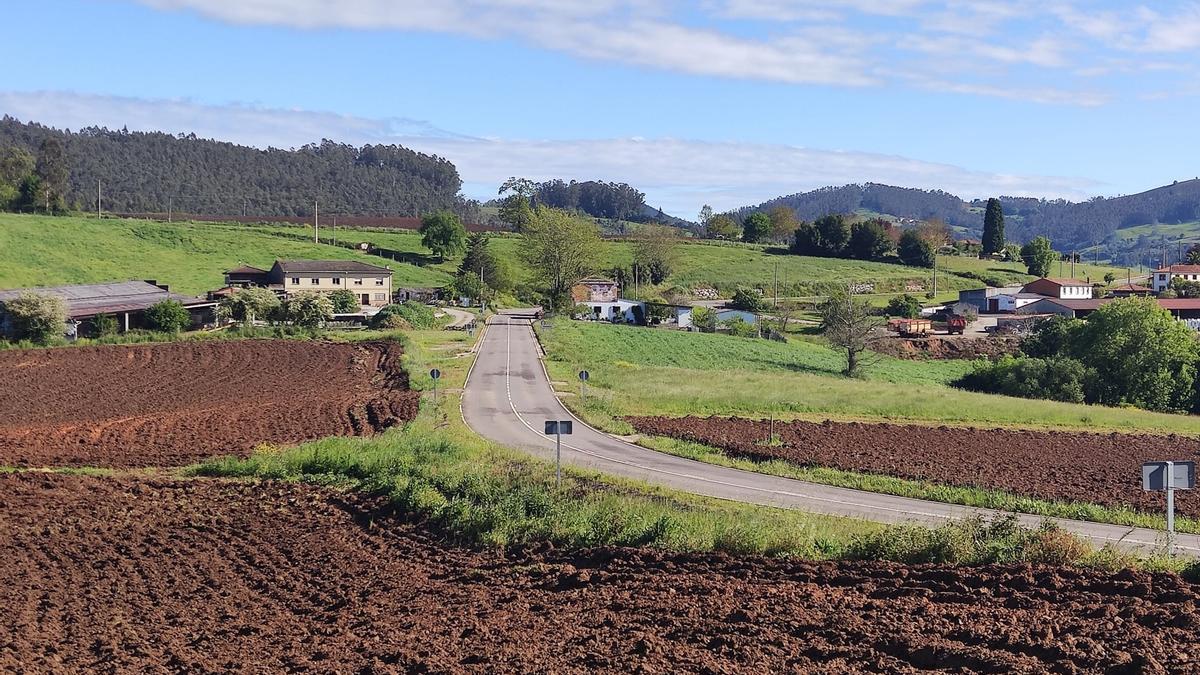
677	175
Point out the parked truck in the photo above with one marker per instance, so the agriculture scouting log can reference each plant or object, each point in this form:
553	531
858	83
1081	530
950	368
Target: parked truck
956	323
910	327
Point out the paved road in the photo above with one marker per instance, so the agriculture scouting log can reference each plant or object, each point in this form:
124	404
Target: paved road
460	318
508	397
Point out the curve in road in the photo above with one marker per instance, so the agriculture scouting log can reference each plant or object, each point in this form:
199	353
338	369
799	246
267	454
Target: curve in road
508	397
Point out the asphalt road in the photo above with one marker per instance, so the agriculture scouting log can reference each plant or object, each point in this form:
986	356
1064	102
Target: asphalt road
508	397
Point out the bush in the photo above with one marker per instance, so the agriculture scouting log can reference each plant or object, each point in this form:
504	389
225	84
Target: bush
741	328
251	304
36	317
344	301
1058	379
105	325
746	300
386	319
407	315
704	319
308	309
168	316
904	306
972	541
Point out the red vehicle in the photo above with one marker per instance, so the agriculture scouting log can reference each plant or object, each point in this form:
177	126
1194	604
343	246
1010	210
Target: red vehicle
956	324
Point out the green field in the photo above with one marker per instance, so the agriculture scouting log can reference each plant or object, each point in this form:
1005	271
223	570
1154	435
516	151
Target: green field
637	371
190	257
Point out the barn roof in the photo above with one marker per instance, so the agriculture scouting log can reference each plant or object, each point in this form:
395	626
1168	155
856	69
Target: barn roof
85	300
337	266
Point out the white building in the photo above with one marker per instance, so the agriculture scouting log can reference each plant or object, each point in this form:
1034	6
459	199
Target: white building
1161	279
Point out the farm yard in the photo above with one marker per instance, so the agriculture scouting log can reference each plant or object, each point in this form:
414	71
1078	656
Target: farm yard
176	403
1070	466
145	574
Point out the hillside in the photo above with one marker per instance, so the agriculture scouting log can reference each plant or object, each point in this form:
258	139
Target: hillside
153	172
1070	225
189	257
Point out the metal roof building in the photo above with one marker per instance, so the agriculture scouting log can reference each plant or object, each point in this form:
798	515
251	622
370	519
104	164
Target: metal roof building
125	300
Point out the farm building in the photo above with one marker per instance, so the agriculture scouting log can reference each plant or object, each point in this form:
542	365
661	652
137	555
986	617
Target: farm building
126	301
1010	303
1161	279
617	311
595	290
372	284
1064	307
417	294
1130	289
986	300
724	315
1064	289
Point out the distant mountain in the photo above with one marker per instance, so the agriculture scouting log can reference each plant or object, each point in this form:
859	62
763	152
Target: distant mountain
1068	224
151	171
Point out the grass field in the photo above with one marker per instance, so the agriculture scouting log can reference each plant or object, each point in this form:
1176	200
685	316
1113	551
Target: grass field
190	257
637	371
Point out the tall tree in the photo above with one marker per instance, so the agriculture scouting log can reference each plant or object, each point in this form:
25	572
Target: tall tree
783	223
16	165
756	227
1038	256
559	249
847	323
915	251
443	233
52	171
655	253
993	227
480	263
706	214
722	226
833	233
869	241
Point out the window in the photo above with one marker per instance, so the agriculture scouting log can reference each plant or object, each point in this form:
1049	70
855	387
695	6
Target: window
337	281
295	280
316	281
379	281
381	297
358	282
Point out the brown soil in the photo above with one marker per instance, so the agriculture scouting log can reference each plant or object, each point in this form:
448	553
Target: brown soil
947	347
116	574
1084	467
172	404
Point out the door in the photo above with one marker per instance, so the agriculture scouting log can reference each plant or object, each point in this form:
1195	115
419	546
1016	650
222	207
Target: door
366	298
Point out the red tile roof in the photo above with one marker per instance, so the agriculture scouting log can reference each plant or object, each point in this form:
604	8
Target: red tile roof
1179	269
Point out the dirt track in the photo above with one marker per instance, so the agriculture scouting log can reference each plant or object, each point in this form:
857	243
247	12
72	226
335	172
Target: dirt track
173	404
1085	467
204	575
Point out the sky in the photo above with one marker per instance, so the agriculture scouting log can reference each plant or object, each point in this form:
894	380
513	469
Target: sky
724	102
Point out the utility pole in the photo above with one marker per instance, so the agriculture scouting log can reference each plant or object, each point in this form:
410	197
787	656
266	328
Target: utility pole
170	203
1072	264
335	230
316	223
776	292
97	199
243	207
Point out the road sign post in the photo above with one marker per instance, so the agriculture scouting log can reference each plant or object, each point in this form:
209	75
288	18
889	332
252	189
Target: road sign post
435	374
557	428
583	378
1169	477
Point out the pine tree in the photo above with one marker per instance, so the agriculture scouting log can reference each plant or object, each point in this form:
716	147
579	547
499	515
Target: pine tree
993	227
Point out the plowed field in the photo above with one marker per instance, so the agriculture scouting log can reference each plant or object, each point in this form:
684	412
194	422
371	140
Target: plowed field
136	575
172	404
1084	467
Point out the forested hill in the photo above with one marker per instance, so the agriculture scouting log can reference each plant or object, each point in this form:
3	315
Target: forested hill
149	172
1067	224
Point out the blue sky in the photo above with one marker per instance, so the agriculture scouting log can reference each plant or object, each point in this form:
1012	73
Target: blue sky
726	102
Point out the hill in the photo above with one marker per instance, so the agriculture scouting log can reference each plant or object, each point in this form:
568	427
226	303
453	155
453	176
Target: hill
1070	225
154	171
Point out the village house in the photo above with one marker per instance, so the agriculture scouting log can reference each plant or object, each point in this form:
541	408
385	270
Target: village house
371	284
126	301
1130	290
1161	279
1063	289
603	299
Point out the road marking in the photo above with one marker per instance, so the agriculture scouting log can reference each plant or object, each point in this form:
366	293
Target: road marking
1125	538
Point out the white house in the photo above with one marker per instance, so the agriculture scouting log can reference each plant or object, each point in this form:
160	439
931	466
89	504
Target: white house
1011	302
619	310
1161	279
1063	289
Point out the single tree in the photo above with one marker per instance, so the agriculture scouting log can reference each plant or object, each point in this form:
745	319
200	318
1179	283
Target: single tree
935	231
655	253
1109	277
869	241
517	208
833	234
704	319
1038	256
746	300
559	249
806	240
756	227
904	306
706	214
308	309
723	226
36	317
52	171
783	223
847	323
915	251
993	227
16	165
168	316
249	305
481	274
345	301
443	233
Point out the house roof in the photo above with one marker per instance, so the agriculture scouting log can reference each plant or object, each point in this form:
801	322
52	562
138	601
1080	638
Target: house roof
1180	269
595	280
1179	303
335	266
1066	283
245	269
1133	288
87	300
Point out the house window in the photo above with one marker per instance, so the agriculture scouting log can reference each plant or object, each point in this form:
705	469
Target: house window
337	281
379	281
358	282
295	280
380	297
315	281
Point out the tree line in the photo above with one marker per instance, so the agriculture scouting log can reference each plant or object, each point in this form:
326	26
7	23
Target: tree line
154	172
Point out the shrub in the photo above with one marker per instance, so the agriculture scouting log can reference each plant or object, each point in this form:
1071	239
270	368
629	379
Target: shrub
36	317
407	315
704	319
251	304
344	301
105	325
387	319
904	306
308	309
168	316
1058	379
746	300
741	328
